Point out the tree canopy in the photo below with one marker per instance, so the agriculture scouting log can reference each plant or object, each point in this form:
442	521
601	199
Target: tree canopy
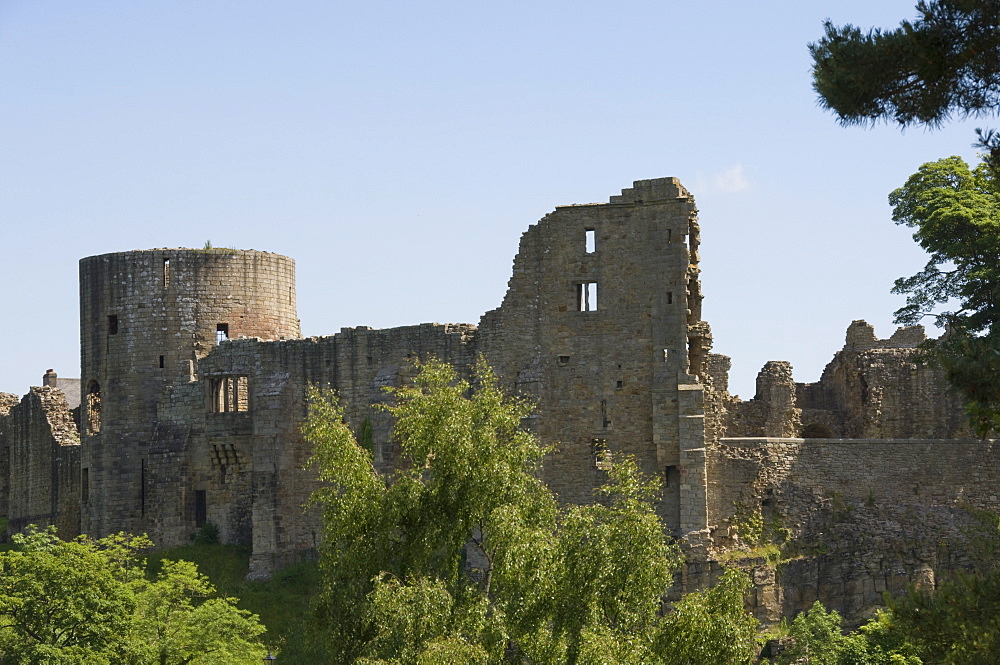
955	212
944	63
464	556
88	602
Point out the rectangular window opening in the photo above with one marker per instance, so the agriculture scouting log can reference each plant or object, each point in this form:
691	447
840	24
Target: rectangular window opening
221	332
670	476
112	324
229	394
586	297
200	508
563	361
85	485
166	273
161	362
591	244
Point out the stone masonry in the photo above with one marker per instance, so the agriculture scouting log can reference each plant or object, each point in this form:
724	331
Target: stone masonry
193	377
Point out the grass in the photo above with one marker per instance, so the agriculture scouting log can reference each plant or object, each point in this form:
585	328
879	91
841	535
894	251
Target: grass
770	552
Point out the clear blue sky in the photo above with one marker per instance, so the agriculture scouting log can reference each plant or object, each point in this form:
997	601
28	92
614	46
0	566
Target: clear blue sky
397	150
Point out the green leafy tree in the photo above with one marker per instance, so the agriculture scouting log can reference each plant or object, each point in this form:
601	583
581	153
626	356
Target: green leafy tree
463	554
710	626
955	212
67	602
178	622
88	602
946	62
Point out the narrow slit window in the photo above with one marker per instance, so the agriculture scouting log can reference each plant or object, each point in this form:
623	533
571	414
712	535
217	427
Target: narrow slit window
112	324
591	242
166	273
221	332
85	485
94	408
142	489
670	297
200	508
586	297
161	362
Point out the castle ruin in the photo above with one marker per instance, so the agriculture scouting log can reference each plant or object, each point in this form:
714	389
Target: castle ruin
193	379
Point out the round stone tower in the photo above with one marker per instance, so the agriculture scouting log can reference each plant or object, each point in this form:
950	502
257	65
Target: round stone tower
146	318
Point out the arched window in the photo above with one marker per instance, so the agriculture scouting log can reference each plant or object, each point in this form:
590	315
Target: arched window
94	408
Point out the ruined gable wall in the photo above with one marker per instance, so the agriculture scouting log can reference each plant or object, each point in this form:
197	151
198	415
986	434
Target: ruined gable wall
611	378
870	515
44	453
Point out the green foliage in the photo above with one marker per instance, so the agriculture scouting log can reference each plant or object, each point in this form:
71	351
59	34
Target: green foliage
958	624
88	601
943	63
711	626
955	212
208	534
464	556
816	637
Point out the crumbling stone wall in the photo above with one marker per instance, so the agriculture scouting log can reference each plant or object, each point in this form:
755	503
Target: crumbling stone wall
357	363
44	463
872	389
865	516
773	411
7	402
878	389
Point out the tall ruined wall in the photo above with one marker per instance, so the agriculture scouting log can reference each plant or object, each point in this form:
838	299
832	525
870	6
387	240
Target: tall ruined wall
869	515
146	318
601	324
44	463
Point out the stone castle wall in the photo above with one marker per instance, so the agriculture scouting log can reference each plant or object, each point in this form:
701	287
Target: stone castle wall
194	375
868	515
